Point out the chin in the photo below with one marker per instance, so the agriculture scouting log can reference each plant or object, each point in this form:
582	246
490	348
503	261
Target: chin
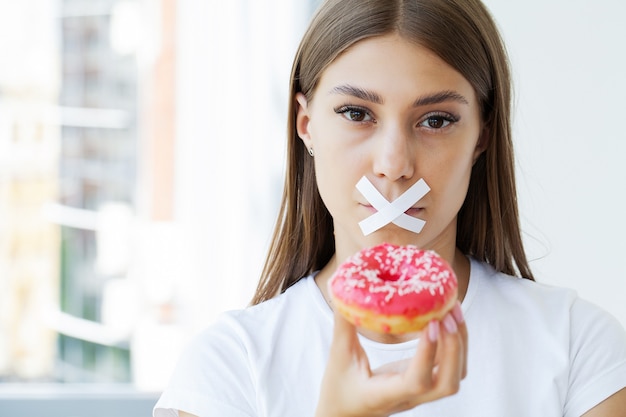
395	235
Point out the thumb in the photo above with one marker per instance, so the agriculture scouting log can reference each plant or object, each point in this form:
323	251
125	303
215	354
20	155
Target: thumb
343	331
345	336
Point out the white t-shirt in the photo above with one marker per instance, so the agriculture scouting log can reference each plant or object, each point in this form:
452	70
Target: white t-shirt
534	350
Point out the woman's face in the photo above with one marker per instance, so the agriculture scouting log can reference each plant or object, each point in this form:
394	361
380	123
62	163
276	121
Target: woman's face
395	112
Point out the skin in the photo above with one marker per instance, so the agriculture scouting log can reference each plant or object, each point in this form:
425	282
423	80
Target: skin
394	139
614	406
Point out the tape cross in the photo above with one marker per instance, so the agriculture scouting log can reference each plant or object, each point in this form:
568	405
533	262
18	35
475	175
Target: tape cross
392	212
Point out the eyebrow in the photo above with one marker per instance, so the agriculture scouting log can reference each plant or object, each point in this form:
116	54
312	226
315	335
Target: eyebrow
350	90
435	98
440	97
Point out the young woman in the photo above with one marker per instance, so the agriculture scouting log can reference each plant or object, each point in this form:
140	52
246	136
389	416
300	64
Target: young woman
395	92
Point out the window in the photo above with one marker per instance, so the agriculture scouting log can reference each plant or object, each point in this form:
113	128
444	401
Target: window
116	232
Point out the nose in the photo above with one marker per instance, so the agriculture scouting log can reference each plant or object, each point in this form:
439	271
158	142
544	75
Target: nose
393	156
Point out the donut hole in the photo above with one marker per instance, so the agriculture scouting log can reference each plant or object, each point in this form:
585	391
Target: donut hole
389	276
404	273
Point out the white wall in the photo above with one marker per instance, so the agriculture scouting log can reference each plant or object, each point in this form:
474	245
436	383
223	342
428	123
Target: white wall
569	65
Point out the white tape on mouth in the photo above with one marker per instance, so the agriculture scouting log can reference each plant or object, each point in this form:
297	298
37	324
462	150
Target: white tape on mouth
392	212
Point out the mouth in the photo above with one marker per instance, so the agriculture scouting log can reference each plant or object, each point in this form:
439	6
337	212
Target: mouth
368	207
413	211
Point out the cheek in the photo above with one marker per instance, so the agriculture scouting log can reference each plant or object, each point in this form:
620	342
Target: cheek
334	180
450	179
339	163
328	173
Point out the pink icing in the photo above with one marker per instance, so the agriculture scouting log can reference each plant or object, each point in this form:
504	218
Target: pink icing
395	280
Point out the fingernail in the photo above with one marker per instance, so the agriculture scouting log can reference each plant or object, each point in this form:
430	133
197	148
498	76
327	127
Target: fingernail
433	331
457	313
450	324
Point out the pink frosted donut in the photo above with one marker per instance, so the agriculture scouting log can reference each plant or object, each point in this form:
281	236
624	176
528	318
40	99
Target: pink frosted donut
393	289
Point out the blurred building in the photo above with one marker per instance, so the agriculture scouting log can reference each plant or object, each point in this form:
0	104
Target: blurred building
98	160
117	110
140	150
29	149
70	147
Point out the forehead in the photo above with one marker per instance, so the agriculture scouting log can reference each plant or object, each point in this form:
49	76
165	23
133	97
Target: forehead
394	66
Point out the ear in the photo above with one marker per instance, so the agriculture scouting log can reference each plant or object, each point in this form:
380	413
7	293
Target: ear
302	120
483	142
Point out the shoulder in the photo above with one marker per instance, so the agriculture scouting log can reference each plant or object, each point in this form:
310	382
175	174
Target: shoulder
226	363
540	309
513	295
575	338
250	328
295	301
523	294
597	357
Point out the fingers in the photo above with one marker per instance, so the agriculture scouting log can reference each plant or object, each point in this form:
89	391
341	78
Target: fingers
433	372
440	362
449	371
457	313
419	375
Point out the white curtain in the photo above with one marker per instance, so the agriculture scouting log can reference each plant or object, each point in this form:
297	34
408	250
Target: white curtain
233	65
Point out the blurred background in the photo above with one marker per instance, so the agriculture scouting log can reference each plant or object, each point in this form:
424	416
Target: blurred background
141	162
141	149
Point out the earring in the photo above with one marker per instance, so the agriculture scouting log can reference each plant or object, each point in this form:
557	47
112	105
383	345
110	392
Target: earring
311	151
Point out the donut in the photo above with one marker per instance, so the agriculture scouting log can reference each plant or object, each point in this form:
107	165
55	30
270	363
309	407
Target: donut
393	289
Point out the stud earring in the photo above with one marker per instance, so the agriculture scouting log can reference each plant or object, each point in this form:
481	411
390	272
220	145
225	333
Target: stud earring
311	151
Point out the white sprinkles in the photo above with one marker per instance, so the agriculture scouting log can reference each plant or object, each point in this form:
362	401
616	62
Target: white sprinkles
377	270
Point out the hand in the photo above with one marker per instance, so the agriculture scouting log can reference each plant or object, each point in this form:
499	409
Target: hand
351	388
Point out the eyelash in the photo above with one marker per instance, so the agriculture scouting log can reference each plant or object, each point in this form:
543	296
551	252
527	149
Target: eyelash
344	110
447	117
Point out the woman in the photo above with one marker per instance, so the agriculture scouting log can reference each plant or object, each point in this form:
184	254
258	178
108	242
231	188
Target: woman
396	92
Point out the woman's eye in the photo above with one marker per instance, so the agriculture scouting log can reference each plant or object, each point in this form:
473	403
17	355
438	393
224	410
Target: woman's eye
437	121
354	114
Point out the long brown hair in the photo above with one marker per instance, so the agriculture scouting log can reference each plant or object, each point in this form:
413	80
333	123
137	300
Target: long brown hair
463	34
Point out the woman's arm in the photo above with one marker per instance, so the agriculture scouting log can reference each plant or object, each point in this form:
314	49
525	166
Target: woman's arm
614	406
183	414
